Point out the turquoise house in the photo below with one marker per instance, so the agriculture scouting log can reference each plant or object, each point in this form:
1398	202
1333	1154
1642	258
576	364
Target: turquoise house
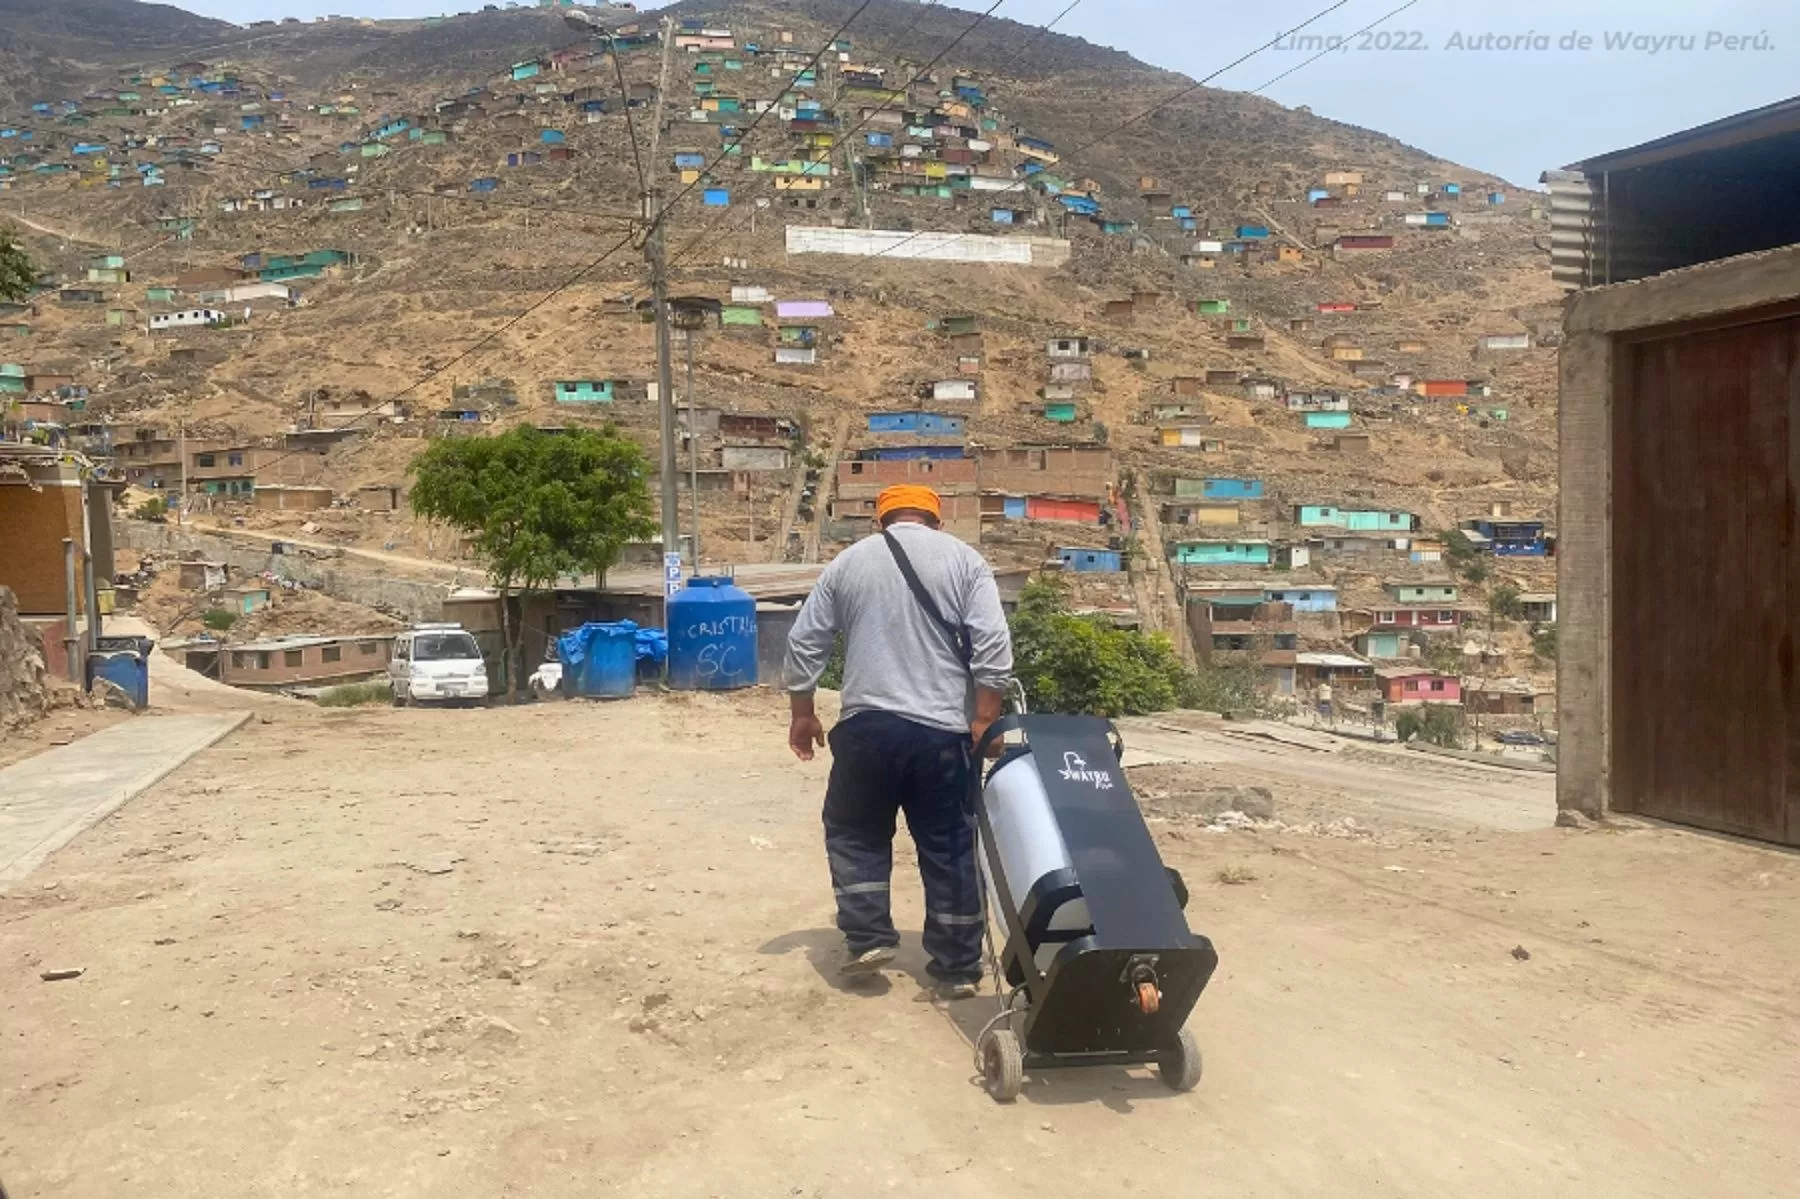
1381	645
1323	517
1222	553
584	391
1062	413
1328	420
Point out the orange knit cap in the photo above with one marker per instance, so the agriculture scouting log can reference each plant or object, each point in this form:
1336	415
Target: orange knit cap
907	495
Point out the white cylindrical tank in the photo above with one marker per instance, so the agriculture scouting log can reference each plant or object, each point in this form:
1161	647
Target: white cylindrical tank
1030	846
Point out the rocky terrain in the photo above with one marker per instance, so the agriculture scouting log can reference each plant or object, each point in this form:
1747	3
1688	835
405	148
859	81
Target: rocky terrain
453	282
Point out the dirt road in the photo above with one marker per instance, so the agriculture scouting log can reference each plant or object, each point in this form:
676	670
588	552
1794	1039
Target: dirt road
576	950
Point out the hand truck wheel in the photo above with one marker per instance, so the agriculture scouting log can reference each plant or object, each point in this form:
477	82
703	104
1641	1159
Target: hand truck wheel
1180	1065
1002	1065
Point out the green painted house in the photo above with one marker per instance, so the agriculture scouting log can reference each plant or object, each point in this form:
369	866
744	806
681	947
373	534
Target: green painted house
584	391
1212	307
1222	553
741	314
1063	413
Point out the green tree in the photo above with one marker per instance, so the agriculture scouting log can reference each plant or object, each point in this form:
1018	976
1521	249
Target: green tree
17	274
1084	664
1503	602
218	619
537	505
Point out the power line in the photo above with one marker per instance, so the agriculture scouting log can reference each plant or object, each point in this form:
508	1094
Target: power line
1329	49
654	221
1024	184
904	90
1054	22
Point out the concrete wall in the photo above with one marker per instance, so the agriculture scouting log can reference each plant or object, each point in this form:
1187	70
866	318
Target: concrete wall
341	578
1593	319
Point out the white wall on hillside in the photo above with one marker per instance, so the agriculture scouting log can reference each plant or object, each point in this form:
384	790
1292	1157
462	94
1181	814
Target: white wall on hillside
932	247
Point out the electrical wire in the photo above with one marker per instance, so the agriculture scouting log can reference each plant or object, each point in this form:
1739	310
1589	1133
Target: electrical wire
1054	22
1024	184
904	89
658	218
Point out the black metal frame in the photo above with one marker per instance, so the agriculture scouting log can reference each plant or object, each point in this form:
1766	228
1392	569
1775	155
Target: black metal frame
1183	968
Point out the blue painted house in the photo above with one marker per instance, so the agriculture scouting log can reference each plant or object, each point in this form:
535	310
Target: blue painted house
1088	561
686	161
335	185
1232	489
1304	599
716	197
1001	216
392	128
933	424
1253	232
901	453
552	137
250	120
1328	420
1511	538
1080	205
1222	553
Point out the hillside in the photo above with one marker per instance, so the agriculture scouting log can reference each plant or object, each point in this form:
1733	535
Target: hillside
1268	296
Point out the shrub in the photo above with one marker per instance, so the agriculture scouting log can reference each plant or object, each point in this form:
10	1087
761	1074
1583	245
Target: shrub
1543	643
1434	724
218	620
1084	665
1504	602
154	508
355	695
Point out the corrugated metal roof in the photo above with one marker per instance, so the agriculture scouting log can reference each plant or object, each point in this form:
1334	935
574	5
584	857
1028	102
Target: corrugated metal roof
1735	130
1573	229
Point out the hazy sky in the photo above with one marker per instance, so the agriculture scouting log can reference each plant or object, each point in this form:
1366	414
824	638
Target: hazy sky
1453	88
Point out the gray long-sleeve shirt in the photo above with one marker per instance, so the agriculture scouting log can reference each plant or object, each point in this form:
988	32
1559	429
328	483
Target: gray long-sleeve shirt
896	658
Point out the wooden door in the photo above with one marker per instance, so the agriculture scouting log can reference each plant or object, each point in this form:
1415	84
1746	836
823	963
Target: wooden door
1705	722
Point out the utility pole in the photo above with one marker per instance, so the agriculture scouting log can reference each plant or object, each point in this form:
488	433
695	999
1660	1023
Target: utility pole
693	439
655	251
181	448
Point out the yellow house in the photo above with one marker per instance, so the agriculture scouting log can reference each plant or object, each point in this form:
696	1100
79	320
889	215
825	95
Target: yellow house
1343	178
799	183
1289	254
937	170
1346	353
1213	514
690	175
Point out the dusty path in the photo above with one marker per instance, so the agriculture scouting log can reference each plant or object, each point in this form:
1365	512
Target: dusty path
581	950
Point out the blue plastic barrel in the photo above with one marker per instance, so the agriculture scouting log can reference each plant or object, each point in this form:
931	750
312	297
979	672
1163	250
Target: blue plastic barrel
608	664
128	670
712	637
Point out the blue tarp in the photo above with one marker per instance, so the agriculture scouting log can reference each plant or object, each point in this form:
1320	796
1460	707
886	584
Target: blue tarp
651	644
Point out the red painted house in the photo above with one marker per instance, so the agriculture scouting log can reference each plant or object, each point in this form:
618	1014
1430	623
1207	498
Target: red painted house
1337	306
1444	387
1410	617
1046	507
1418	685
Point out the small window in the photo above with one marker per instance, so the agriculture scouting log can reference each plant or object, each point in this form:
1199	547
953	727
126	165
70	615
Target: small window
294	657
366	649
203	460
262	660
235	460
238	660
1446	616
1437	684
332	653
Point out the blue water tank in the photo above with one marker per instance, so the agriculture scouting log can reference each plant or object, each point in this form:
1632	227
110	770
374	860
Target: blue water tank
130	671
712	637
606	661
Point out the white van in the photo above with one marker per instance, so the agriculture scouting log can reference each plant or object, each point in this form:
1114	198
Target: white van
437	662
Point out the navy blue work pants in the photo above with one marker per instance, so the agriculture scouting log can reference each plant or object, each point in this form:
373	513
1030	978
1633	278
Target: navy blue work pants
882	764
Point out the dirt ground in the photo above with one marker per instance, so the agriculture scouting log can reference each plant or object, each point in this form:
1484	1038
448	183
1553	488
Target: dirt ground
578	949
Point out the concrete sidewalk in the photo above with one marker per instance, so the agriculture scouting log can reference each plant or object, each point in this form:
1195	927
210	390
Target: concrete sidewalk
48	800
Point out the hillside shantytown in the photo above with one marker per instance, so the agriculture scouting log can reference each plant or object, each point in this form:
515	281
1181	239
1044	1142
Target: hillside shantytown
1422	536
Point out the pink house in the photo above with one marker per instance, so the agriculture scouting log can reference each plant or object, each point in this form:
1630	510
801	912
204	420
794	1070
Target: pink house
1418	685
